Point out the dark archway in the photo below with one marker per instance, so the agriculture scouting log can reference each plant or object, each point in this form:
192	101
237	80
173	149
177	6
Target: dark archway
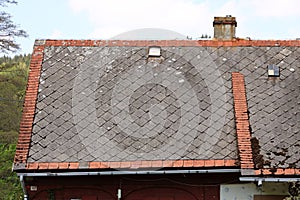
165	193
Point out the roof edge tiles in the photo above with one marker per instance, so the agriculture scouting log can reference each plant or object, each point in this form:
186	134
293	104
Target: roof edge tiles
277	171
242	121
26	124
210	43
130	164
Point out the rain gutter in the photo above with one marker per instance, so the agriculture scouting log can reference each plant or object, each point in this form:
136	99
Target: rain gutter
105	173
260	179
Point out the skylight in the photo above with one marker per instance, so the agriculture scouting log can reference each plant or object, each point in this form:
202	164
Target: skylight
154	51
273	71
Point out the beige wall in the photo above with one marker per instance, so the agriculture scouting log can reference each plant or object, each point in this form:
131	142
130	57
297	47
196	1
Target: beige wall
249	190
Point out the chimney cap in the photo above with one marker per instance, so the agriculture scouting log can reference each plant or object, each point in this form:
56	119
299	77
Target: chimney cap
225	20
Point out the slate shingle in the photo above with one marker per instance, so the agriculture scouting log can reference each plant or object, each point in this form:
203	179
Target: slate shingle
103	99
168	92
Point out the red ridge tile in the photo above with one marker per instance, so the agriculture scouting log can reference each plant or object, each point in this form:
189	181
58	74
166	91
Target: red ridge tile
53	165
73	165
242	121
115	165
104	165
178	163
43	166
23	145
125	164
219	163
63	166
94	165
188	163
212	43
133	164
32	166
199	163
279	172
156	163
146	164
168	163
209	163
289	171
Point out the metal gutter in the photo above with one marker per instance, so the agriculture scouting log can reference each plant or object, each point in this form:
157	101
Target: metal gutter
260	179
105	173
23	187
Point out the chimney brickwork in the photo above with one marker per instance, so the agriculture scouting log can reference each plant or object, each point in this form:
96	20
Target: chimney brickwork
224	27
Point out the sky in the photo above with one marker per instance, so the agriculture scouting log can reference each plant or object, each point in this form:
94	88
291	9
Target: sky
104	19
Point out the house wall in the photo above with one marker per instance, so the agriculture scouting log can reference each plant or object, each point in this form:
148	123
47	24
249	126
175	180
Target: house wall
179	187
251	191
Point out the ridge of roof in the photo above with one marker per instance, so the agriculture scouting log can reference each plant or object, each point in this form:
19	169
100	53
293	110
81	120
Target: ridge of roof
211	43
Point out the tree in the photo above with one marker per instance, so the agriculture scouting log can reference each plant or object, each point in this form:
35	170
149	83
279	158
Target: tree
205	36
8	30
13	79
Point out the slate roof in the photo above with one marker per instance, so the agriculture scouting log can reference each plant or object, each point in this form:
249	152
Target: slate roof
101	104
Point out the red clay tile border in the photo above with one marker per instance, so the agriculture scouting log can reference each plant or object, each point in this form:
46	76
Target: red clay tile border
29	105
211	43
242	121
278	172
244	135
134	164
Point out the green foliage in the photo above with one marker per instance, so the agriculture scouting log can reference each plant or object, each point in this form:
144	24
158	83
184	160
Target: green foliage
294	190
8	137
205	36
9	183
13	80
292	198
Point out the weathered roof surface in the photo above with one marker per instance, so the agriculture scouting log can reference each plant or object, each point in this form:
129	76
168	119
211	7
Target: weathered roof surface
111	104
106	102
273	105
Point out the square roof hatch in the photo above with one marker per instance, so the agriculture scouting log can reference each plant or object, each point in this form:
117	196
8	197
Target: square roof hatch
273	71
154	51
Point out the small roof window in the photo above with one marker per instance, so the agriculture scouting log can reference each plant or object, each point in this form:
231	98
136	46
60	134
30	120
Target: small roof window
273	71
154	51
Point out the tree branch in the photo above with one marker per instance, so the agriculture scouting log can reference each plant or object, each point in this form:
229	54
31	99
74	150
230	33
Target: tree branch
8	30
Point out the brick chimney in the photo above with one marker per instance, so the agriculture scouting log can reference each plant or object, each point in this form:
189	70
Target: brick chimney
224	27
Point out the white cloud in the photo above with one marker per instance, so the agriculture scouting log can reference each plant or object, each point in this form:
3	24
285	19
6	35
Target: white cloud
271	8
56	34
188	17
110	17
105	33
